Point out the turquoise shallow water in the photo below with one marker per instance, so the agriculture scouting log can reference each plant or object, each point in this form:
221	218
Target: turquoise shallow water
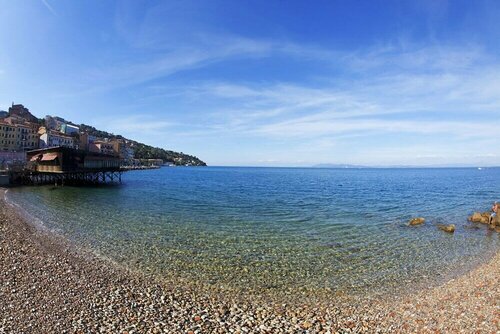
279	228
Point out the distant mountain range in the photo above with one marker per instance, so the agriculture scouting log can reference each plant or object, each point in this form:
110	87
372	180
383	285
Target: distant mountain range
338	166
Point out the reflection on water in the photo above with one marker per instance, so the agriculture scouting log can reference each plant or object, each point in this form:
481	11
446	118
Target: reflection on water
279	228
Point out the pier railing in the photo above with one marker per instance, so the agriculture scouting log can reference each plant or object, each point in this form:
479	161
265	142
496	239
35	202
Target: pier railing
82	177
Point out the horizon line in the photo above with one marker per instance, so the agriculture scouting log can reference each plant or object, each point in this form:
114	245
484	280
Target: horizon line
357	166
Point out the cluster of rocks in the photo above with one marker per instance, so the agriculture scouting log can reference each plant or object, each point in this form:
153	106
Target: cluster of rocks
486	218
493	222
450	228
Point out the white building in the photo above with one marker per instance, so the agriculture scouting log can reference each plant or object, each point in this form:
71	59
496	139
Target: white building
55	139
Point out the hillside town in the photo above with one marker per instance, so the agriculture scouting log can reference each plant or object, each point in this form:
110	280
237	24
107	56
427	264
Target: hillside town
21	132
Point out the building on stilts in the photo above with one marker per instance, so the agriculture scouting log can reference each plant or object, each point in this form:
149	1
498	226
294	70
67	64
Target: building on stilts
64	165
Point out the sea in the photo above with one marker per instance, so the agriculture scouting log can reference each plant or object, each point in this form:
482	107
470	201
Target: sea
300	229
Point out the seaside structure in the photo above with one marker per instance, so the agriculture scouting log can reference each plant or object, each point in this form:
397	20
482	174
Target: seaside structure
68	165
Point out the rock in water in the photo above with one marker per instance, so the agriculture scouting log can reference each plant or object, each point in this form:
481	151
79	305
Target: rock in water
417	221
447	228
486	217
478	217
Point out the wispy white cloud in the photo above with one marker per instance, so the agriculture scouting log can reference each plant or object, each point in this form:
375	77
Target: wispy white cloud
49	7
293	111
305	128
409	57
427	88
135	71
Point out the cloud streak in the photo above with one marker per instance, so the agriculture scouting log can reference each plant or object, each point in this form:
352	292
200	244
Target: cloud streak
443	103
138	71
49	7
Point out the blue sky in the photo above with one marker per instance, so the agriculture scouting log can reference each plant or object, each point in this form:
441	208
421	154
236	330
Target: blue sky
268	83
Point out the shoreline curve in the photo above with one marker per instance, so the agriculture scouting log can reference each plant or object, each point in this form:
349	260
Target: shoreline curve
48	286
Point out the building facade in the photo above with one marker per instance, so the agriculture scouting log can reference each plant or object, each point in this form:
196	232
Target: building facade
52	138
17	137
122	149
54	122
87	142
8	159
105	147
69	129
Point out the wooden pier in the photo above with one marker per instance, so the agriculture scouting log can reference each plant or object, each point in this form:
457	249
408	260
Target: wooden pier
67	166
73	178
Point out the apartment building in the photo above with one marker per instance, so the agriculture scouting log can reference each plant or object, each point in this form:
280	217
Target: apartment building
87	142
17	137
104	147
123	149
51	138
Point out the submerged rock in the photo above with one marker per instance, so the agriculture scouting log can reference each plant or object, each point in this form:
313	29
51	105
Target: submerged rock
478	217
475	218
417	221
472	227
447	228
486	217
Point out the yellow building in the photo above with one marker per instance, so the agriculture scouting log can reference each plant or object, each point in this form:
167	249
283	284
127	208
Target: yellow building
17	137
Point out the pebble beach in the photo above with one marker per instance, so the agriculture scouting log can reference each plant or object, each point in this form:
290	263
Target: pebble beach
50	286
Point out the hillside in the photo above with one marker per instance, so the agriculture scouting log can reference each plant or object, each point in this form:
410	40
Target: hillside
143	151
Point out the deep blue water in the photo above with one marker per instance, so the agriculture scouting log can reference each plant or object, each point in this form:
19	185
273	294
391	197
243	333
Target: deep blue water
341	229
